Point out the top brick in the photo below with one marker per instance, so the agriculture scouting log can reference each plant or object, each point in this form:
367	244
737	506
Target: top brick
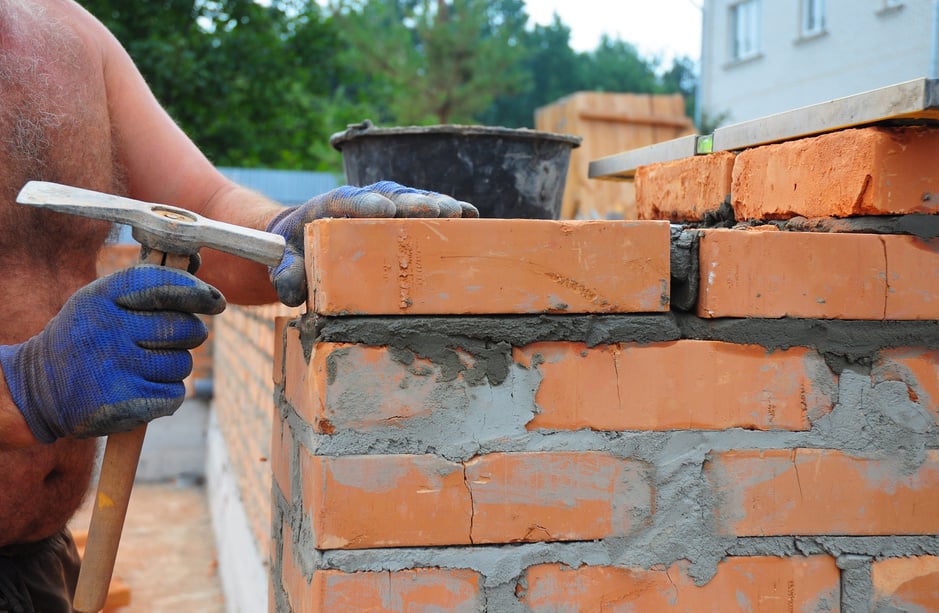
865	171
486	266
685	189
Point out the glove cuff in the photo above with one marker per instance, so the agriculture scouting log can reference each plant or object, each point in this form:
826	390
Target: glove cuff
20	364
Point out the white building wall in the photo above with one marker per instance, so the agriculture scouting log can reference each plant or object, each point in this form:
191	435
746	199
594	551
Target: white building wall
863	47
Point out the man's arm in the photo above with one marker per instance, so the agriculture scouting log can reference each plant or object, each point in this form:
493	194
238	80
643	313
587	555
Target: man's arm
163	165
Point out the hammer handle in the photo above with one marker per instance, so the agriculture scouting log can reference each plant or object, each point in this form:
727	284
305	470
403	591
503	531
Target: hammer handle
118	469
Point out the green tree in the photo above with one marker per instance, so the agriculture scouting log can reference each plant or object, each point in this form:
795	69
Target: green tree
429	61
253	85
553	69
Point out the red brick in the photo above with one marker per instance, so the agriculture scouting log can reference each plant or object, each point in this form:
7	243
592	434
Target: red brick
764	584
484	266
277	371
404	591
912	277
866	171
906	584
359	502
685	189
686	384
792	274
364	388
298	590
282	450
918	368
299	387
822	491
561	496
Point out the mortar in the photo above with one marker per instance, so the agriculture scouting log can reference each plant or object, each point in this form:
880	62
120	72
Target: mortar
504	172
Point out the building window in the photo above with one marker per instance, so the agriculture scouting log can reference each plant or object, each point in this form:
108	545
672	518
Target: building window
813	17
745	29
890	6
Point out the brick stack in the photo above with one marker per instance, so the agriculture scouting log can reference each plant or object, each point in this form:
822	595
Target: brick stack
515	415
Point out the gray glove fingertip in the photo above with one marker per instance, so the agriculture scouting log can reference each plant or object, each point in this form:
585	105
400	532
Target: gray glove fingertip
290	283
449	207
467	210
415	205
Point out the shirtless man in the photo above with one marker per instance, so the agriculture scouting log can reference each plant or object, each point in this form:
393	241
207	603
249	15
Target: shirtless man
78	357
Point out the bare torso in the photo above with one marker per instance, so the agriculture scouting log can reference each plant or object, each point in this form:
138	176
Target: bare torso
54	126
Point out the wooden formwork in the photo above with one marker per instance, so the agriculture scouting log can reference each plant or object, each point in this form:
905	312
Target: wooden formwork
609	123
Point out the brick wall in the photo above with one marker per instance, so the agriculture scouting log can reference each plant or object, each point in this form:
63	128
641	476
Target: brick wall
738	413
243	389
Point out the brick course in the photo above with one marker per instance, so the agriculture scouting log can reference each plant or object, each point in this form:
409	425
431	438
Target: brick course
420	266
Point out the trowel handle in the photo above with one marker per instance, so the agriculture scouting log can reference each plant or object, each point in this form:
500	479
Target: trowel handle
118	469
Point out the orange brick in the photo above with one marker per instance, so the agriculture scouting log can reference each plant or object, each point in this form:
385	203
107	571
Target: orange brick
791	274
685	189
918	368
479	266
282	450
365	388
298	384
421	589
764	584
686	384
385	501
822	491
277	371
298	590
906	584
525	497
867	171
912	277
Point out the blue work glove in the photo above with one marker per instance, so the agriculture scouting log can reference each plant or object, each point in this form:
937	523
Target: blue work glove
382	199
114	357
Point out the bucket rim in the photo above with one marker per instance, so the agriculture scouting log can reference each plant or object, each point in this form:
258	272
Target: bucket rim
367	128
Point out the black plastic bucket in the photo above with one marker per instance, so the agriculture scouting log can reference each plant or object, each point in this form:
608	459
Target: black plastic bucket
504	172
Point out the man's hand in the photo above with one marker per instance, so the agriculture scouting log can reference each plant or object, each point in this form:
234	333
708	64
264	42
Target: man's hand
382	199
114	357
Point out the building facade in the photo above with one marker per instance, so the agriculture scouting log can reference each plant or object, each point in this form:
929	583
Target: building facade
761	57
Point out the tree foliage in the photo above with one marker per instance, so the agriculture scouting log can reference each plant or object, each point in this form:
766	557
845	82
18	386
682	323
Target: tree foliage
265	84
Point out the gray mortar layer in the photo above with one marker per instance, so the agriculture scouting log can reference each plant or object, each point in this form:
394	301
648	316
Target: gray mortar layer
855	340
857	589
484	407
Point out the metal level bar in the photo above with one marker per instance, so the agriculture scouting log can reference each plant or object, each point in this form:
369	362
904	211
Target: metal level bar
912	100
623	165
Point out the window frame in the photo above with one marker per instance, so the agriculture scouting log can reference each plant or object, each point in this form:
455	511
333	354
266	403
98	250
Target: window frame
745	19
812	18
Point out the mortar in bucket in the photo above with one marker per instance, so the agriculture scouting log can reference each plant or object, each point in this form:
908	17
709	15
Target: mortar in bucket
504	172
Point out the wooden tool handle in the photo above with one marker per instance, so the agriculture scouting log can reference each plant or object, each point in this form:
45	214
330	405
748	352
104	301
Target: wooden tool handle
118	469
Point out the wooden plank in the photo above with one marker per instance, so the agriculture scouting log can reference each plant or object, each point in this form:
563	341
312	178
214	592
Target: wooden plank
609	122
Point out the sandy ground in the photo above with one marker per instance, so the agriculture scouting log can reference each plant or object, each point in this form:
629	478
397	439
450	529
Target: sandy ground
167	555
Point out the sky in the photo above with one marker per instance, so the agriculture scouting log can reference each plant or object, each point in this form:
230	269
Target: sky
658	28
